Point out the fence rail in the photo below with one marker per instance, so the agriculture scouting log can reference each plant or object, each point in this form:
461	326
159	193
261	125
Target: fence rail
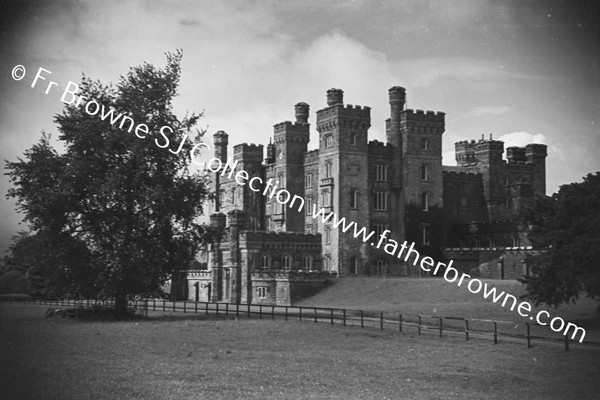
495	330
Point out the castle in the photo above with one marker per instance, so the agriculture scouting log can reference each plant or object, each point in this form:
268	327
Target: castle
277	254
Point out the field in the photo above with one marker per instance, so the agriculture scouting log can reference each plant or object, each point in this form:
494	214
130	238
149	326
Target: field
197	357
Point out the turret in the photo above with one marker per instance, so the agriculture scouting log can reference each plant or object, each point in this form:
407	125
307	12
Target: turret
270	153
335	96
302	113
397	99
220	141
515	154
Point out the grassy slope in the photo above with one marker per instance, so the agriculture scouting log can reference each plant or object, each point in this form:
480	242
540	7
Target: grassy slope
174	358
438	297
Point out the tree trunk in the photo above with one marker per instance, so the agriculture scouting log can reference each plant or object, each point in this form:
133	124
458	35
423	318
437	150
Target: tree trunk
121	305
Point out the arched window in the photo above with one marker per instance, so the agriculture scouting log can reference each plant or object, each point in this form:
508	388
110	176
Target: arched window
286	262
266	261
307	262
353	266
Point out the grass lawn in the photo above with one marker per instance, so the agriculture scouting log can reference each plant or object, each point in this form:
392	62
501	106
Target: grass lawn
195	357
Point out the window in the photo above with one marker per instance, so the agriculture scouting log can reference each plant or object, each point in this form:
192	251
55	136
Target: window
279	179
286	262
261	292
328	169
308	205
233	196
515	241
424	144
278	206
491	243
381	201
381	172
327	235
425	201
353	198
425	234
379	229
507	202
425	172
222	198
506	181
327	263
328	140
326	198
308	180
353	140
477	243
266	261
308	229
353	266
307	262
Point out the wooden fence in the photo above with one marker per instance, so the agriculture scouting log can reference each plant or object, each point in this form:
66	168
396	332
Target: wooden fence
495	330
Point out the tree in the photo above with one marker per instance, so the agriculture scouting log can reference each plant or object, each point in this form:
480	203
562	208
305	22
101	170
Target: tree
115	214
566	226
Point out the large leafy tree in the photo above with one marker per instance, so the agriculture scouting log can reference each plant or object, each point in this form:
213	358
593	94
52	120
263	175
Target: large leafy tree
567	226
116	213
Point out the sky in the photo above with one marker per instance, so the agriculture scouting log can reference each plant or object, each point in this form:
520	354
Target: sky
523	71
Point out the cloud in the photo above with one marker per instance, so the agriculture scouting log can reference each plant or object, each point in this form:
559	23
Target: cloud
521	138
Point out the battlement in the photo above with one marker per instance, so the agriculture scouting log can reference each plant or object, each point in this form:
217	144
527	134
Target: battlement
289	126
248	152
536	150
420	121
311	156
377	147
461	176
282	238
199	273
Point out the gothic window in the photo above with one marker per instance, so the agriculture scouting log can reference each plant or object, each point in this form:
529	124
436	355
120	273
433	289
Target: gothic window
266	261
425	234
261	292
328	140
424	144
353	198
233	196
286	262
309	206
353	140
425	201
328	171
327	262
308	180
381	201
381	267
308	229
326	198
379	229
425	172
381	172
327	235
307	263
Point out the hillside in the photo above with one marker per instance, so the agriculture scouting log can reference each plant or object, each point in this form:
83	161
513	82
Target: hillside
430	296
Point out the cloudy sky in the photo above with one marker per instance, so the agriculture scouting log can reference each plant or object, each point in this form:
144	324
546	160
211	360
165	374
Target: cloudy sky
525	71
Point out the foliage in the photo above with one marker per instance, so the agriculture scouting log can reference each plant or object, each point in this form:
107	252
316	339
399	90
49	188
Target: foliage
567	226
116	213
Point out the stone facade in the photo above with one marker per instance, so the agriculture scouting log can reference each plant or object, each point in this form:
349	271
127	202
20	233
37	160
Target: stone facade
400	186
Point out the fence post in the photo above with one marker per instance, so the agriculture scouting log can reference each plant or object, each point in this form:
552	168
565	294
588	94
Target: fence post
248	312
217	309
495	332
331	315
286	312
195	307
344	316
300	313
226	309
466	329
184	306
272	312
381	320
315	312
441	326
362	321
528	335
206	308
566	343
260	311
174	306
237	310
400	322
419	324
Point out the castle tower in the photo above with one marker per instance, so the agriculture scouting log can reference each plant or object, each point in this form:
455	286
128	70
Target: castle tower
464	152
536	156
490	164
286	170
343	172
232	289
